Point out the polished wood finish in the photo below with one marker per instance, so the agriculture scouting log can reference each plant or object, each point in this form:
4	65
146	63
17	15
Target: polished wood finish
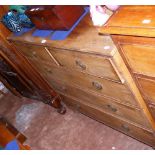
84	38
152	108
134	37
132	20
3	30
148	88
88	68
143	59
87	82
132	86
90	64
96	85
37	52
55	17
138	53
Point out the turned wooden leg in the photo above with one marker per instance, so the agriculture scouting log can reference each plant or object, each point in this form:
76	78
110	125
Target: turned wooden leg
62	109
58	104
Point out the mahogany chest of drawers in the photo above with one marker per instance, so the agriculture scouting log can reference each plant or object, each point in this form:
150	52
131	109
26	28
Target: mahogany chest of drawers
91	76
55	17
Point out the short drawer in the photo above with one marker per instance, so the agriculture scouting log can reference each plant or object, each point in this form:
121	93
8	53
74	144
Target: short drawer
87	63
104	104
147	87
90	83
38	53
134	131
140	58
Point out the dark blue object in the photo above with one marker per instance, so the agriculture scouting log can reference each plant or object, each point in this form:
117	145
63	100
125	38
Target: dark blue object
56	35
42	33
11	21
13	145
15	21
61	35
25	21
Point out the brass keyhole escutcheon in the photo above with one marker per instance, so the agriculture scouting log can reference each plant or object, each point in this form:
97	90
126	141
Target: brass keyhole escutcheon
48	70
125	127
34	54
96	85
80	64
113	109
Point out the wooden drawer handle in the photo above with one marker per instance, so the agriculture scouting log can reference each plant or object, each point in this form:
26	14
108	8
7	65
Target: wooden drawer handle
125	127
80	64
97	85
113	109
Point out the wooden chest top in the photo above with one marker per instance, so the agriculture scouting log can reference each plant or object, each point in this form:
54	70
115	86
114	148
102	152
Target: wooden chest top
132	20
83	38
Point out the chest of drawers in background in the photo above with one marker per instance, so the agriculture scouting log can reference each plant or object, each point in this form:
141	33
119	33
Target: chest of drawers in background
134	37
89	73
139	54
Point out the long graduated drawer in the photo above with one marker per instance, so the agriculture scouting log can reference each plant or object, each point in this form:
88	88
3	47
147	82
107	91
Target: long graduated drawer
133	115
90	83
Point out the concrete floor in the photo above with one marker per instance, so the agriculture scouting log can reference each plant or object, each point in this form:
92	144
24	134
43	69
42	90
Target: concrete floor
46	129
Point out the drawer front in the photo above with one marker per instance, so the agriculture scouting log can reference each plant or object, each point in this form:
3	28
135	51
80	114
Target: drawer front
38	53
96	85
147	87
141	58
105	104
116	123
92	64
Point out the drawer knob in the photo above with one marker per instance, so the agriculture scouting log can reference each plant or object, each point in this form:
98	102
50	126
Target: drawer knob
80	64
97	85
34	54
113	109
48	70
125	127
